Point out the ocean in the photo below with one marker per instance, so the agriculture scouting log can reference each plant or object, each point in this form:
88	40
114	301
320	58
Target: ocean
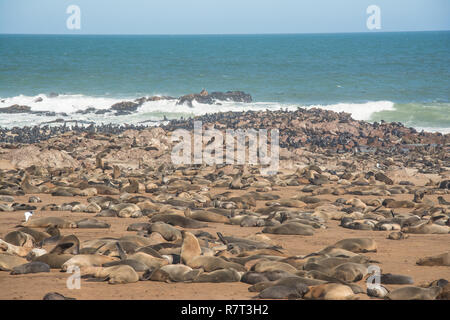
401	76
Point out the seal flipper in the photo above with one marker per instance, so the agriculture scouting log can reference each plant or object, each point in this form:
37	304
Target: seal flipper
122	254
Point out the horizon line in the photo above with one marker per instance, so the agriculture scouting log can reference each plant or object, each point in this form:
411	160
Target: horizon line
215	34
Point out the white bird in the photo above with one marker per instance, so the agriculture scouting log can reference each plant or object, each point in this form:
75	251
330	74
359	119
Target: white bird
28	215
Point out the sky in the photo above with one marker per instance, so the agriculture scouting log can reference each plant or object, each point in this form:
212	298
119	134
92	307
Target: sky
220	16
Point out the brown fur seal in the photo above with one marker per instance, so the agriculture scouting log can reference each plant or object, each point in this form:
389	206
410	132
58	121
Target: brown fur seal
87	260
290	228
427	228
414	293
31	267
114	275
357	245
177	220
206	216
330	291
175	273
55	261
191	256
10	261
222	275
284	292
47	222
438	260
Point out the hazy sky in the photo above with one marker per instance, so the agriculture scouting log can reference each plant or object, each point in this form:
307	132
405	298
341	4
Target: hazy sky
220	16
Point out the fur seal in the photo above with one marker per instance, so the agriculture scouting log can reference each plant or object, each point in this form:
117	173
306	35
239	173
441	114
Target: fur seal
175	273
120	274
388	278
55	261
414	293
330	291
19	238
10	261
438	260
290	228
68	244
221	275
350	272
191	256
167	231
87	260
177	220
92	223
47	222
31	267
357	245
284	292
397	235
427	228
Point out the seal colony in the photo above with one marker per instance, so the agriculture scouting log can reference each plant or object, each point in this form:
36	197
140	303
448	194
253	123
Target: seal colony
112	204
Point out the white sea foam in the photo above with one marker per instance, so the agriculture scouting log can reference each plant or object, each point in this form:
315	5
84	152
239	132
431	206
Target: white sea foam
158	110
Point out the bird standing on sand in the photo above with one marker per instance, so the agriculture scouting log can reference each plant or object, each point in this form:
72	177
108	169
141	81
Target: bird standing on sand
28	215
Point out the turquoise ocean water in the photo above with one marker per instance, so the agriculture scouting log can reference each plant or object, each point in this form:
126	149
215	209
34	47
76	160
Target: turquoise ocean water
375	76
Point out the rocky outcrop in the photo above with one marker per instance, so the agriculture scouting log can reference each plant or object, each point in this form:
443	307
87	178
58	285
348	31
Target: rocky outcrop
206	98
16	109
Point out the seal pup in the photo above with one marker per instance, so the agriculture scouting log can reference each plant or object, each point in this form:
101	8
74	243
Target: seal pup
31	267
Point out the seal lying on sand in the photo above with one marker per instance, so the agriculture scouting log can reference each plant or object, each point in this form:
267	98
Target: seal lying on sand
414	293
438	260
32	267
10	261
290	228
47	222
330	291
114	275
357	245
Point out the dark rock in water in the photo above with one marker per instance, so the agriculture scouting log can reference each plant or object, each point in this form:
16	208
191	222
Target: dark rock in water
125	106
236	96
52	95
86	111
16	109
103	111
206	98
38	99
